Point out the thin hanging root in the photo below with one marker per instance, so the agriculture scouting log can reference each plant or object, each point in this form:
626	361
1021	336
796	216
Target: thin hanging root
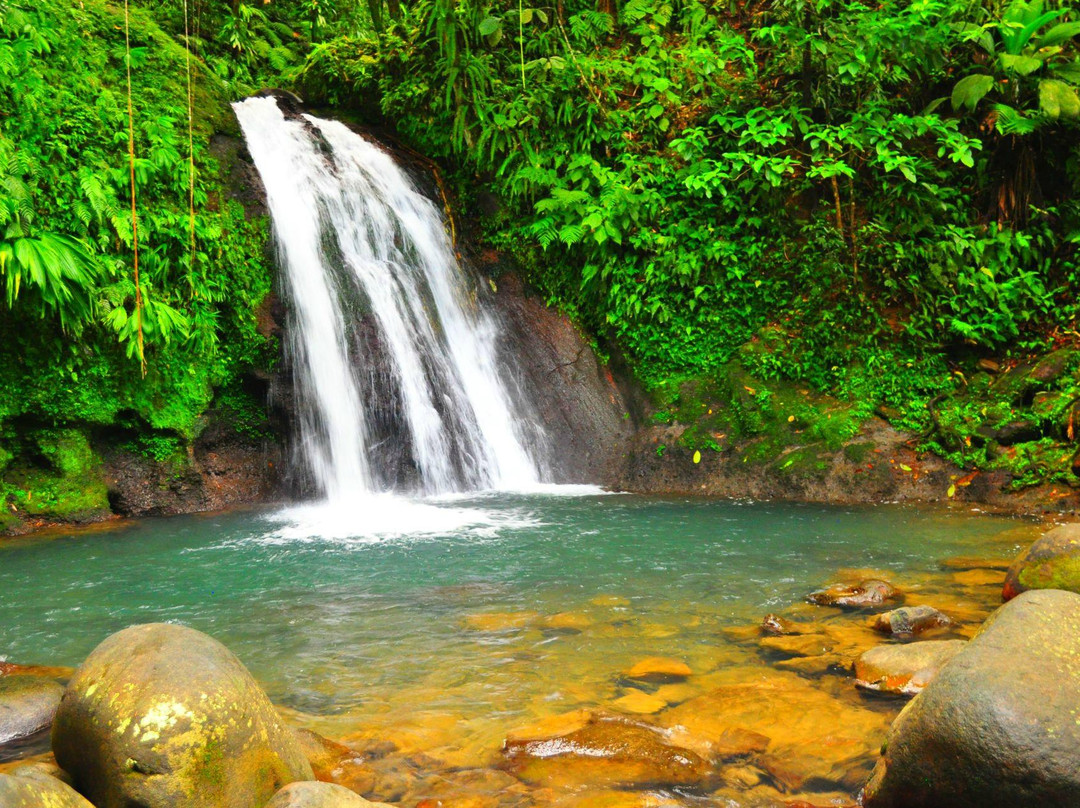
134	211
191	148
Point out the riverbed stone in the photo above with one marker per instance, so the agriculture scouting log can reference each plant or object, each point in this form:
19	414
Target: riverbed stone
1051	562
27	707
904	669
320	795
609	751
998	725
38	791
909	620
333	762
163	715
803	730
659	669
639	702
868	593
798	645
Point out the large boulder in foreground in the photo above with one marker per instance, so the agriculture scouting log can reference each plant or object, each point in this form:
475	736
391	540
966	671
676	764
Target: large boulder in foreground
163	715
27	706
1051	562
38	791
998	724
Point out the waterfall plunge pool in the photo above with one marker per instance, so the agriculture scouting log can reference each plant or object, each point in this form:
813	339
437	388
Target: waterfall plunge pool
443	625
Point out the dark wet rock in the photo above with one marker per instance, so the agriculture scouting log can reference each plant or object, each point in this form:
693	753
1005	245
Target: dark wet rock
1010	433
333	762
909	620
161	714
1053	366
605	751
998	725
1051	562
319	795
38	791
872	592
27	706
904	669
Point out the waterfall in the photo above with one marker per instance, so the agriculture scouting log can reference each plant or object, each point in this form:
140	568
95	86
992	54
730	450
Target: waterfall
398	383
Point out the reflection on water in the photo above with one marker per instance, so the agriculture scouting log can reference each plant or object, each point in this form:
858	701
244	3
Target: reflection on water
426	634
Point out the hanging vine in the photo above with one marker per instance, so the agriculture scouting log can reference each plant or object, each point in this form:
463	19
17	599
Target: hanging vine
134	210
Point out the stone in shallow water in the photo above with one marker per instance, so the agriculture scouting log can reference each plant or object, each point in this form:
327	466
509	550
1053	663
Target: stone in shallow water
802	645
162	715
909	620
998	725
659	669
319	795
979	578
607	751
975	563
775	625
820	737
570	622
27	707
500	621
38	791
904	669
333	762
871	592
637	701
610	601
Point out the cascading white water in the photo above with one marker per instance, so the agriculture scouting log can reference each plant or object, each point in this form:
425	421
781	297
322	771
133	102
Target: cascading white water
395	360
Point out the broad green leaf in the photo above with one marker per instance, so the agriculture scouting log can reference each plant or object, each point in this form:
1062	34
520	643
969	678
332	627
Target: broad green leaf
969	91
1058	34
488	26
1068	72
1058	99
1022	65
526	15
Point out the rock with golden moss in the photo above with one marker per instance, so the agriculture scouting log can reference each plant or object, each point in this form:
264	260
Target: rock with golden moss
38	791
162	715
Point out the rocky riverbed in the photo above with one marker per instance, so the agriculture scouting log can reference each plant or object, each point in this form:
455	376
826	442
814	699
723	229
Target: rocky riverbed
788	711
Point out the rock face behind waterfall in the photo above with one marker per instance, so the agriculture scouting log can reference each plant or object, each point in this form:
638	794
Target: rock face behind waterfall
162	715
588	416
998	725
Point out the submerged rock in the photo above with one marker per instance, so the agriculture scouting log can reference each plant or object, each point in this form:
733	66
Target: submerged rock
319	795
163	715
33	790
659	669
777	626
333	762
27	707
872	592
998	725
1051	562
799	645
909	620
637	701
904	669
605	751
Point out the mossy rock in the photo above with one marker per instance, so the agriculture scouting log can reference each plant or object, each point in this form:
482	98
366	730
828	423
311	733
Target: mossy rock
58	474
997	725
38	791
1051	562
163	715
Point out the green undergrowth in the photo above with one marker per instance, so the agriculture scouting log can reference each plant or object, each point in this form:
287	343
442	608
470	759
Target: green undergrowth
69	353
1022	418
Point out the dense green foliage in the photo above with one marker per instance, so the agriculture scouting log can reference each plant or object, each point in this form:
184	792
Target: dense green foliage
866	199
69	328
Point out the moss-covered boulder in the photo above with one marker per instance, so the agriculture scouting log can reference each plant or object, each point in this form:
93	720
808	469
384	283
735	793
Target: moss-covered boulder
1051	562
163	715
38	791
27	706
998	725
320	795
